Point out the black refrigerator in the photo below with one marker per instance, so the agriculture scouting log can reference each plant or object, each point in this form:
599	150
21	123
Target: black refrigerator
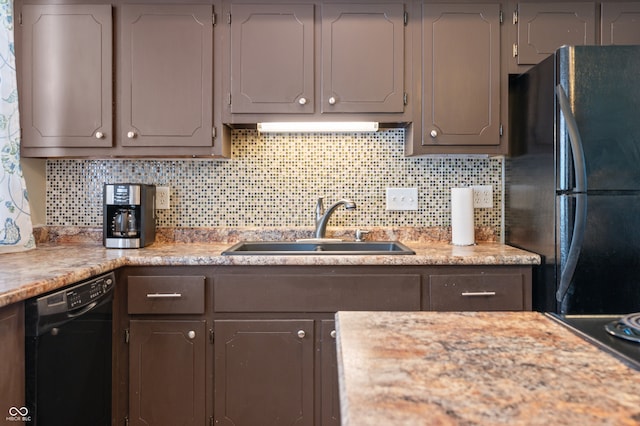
572	181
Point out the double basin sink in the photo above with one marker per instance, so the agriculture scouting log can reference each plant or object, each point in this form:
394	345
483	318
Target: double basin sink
315	248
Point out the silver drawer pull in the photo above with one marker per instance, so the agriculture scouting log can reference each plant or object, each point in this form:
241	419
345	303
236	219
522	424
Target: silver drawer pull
478	293
164	295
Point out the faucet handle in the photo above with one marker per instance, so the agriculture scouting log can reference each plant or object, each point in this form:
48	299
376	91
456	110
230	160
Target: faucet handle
360	235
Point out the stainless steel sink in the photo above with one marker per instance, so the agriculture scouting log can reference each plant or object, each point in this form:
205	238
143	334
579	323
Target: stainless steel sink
284	248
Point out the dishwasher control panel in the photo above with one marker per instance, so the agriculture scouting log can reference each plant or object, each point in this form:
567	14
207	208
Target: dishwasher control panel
76	296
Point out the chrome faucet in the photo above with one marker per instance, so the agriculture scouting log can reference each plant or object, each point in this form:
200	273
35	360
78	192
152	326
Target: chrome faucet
322	216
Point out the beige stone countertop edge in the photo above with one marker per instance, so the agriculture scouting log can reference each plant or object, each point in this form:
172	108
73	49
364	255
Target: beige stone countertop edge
50	266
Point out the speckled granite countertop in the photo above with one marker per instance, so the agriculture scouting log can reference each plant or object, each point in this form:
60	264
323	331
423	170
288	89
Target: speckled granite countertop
481	368
50	266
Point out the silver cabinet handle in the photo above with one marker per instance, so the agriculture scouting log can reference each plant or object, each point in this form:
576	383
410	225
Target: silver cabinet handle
131	134
434	134
332	101
301	334
302	101
191	334
164	295
333	334
477	293
99	135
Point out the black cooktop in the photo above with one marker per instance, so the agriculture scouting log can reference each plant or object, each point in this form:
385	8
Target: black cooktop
592	329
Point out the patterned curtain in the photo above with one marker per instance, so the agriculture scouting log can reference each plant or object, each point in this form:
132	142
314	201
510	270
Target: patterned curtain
16	232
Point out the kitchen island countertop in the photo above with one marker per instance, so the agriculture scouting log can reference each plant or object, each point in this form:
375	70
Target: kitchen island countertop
477	368
51	266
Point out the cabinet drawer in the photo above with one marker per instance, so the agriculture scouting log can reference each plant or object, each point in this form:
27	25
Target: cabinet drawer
316	293
166	294
486	292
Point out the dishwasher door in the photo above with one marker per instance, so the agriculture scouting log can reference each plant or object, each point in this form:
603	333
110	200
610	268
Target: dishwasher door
68	355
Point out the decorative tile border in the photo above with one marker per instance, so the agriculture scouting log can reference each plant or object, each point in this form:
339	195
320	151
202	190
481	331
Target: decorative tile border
274	181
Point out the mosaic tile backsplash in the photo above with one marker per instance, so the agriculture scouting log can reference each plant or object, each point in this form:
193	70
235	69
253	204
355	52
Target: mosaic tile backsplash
274	181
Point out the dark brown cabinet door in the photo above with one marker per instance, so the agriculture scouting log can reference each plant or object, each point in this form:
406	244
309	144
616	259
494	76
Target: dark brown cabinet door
166	75
167	372
330	405
264	372
363	57
12	355
461	77
66	80
543	27
620	23
272	58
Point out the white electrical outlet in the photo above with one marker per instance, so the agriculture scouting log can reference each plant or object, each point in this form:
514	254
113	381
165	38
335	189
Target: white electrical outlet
162	198
482	196
402	198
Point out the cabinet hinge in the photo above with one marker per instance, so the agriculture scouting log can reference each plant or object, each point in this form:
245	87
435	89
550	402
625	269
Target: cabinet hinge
126	335
229	98
20	18
515	50
213	19
515	17
211	421
406	18
405	98
501	17
213	133
126	421
500	129
229	18
211	336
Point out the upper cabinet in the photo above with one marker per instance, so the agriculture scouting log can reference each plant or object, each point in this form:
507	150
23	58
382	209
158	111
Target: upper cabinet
543	27
309	59
67	95
461	80
272	58
620	23
363	58
166	69
164	80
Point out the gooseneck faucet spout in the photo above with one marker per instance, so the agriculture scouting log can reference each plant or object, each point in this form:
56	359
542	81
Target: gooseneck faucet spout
322	216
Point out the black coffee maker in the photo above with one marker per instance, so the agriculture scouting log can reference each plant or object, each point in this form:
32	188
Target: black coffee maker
129	215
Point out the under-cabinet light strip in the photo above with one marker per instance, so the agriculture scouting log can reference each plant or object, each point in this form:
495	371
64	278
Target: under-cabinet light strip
346	126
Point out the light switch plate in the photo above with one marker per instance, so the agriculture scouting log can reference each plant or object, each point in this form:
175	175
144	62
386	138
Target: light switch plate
402	198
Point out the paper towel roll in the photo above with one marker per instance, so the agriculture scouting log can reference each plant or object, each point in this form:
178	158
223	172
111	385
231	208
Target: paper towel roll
462	229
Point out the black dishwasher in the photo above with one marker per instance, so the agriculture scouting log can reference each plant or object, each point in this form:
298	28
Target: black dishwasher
68	355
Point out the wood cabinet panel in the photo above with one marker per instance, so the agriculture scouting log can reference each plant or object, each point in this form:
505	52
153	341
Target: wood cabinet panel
543	27
66	77
460	79
166	60
316	293
167	372
264	372
272	58
330	392
12	379
486	292
620	23
166	294
362	57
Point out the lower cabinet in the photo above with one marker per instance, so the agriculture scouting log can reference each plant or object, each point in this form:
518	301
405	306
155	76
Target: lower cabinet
167	372
253	345
264	372
12	381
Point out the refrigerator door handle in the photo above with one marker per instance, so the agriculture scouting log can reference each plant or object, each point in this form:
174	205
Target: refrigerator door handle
579	162
580	219
579	225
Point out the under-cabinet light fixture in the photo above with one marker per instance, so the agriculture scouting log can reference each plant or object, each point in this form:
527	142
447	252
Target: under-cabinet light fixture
335	126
